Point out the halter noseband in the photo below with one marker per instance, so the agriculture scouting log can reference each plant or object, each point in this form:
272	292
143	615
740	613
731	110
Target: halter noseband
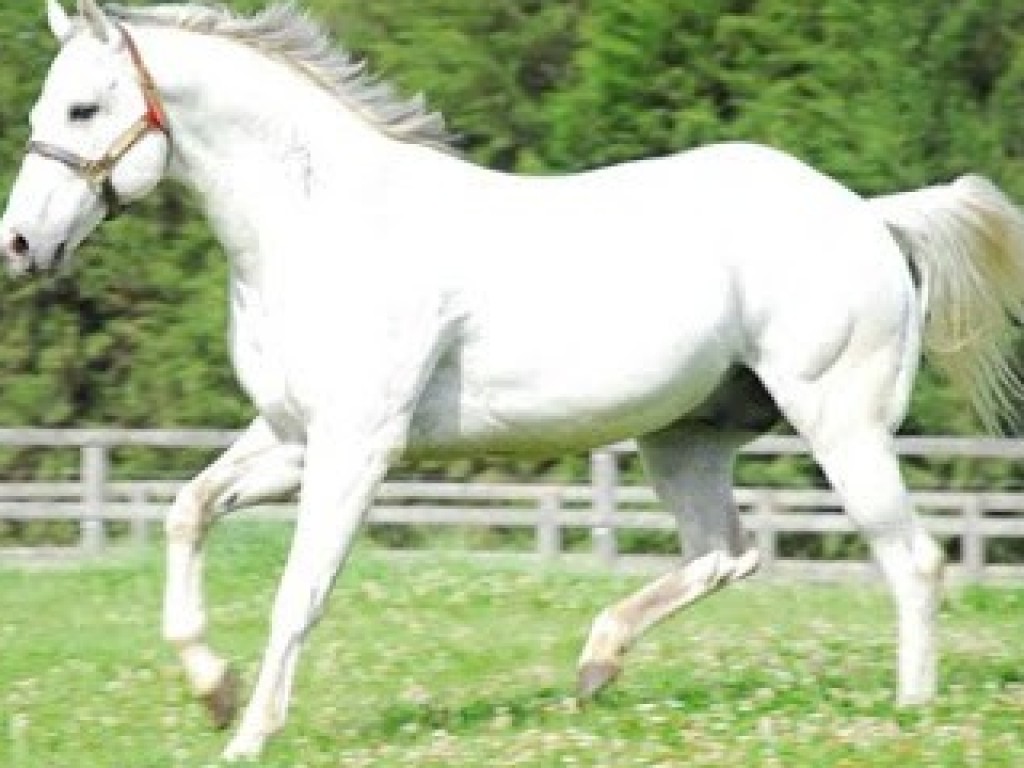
97	173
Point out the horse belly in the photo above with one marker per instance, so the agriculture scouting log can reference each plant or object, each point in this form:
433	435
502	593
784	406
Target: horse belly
556	386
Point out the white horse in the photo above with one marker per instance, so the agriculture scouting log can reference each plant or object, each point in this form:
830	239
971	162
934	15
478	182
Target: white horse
390	299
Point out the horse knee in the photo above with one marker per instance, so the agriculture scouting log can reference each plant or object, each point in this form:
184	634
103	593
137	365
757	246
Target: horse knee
187	520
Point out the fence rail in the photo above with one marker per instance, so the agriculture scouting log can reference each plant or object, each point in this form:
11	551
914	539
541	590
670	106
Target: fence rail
604	507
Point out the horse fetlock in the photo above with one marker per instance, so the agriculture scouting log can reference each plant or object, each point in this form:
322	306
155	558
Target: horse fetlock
205	670
919	682
920	698
182	632
608	641
601	660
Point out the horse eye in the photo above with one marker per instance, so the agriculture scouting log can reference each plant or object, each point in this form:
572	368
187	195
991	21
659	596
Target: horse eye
79	112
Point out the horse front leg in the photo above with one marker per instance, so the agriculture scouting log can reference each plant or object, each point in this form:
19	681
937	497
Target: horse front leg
337	488
257	466
352	439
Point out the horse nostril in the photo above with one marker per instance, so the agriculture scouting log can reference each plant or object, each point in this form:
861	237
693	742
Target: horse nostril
19	245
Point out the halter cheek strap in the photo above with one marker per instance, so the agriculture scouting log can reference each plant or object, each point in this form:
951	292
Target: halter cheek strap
97	173
155	117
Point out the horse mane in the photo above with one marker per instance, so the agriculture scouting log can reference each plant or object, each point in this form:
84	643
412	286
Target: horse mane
292	36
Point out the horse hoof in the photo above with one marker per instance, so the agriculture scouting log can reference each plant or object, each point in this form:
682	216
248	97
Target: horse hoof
222	702
594	676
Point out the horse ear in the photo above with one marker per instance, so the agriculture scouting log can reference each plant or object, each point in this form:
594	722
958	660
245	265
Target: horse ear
60	23
97	20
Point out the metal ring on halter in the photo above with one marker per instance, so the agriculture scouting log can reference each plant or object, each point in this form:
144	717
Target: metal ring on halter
98	173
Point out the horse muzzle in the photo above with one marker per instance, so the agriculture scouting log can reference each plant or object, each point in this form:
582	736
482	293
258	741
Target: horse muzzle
22	256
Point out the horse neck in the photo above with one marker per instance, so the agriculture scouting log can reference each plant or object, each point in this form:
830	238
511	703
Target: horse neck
263	146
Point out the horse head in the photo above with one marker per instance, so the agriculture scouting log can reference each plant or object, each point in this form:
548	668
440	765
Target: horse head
99	139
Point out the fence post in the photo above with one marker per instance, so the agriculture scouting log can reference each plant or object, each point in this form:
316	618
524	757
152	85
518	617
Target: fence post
604	478
549	535
94	492
972	543
140	525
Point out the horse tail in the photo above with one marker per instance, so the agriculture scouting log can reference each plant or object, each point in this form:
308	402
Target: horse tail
965	240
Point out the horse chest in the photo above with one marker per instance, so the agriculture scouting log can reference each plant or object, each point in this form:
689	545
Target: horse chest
262	368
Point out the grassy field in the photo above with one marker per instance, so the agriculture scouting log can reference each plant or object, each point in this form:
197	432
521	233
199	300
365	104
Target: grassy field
443	662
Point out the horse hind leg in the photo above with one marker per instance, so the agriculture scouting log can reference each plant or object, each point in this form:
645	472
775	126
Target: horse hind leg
865	472
847	416
691	469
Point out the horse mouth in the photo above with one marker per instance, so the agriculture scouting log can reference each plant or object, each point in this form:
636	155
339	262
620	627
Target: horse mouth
33	268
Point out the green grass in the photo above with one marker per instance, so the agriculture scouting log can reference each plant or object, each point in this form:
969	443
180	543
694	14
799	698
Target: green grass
443	662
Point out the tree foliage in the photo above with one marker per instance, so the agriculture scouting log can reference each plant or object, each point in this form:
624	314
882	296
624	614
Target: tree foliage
882	95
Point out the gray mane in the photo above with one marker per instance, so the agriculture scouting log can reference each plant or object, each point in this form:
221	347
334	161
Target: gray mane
286	33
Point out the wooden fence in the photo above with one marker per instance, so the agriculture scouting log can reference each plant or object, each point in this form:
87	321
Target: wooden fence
602	508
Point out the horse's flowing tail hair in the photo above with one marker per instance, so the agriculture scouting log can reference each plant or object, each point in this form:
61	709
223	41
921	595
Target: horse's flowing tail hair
966	241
